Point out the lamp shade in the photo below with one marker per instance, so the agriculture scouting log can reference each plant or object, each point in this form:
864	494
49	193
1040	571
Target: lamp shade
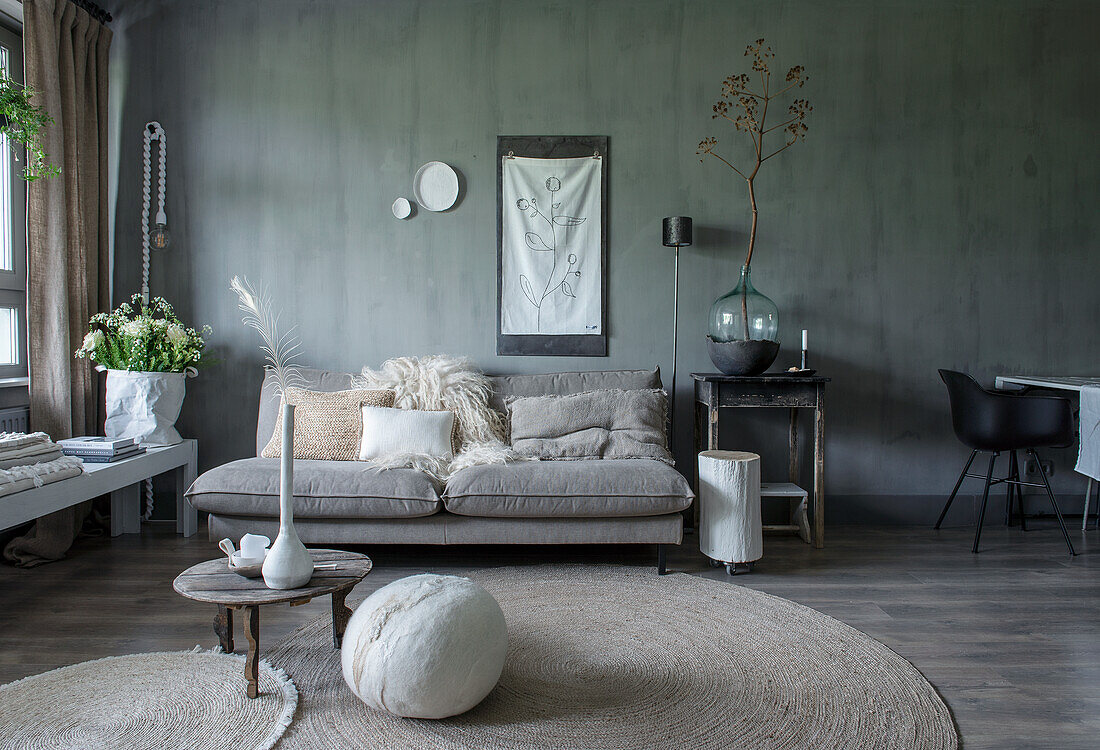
677	231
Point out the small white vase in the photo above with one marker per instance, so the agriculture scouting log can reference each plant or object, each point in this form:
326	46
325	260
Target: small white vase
288	564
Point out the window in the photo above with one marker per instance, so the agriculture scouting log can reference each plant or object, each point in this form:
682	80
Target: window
13	240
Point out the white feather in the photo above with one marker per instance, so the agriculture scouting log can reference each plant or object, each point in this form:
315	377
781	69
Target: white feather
280	350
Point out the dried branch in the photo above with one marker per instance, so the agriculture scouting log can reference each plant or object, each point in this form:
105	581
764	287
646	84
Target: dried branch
752	116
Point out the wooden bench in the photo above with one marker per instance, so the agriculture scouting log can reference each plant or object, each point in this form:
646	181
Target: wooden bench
122	481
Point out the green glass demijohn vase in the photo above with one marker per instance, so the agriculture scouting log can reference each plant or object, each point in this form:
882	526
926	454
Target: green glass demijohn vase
743	338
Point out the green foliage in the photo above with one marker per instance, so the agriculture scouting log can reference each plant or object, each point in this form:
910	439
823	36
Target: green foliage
143	338
23	122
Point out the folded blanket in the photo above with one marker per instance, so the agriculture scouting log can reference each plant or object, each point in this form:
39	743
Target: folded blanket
1088	457
20	478
15	441
42	455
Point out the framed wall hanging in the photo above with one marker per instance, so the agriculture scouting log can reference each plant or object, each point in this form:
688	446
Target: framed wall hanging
552	245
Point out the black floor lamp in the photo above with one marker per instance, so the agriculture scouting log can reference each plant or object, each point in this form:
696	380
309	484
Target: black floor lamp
677	234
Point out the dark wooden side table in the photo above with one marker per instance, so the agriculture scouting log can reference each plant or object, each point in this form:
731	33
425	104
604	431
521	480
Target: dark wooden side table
213	582
714	392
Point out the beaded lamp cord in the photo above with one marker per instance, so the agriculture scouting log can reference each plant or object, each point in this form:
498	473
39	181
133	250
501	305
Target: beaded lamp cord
153	132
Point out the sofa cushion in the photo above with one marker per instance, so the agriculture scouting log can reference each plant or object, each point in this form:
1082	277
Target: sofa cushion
545	384
322	489
568	489
312	380
564	383
608	424
328	425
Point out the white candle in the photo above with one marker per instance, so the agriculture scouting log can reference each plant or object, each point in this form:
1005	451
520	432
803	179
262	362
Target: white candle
805	334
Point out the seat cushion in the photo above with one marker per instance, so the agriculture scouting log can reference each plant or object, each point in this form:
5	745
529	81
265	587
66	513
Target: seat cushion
322	489
568	489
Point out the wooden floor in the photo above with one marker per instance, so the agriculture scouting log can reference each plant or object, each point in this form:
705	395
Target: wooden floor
1011	637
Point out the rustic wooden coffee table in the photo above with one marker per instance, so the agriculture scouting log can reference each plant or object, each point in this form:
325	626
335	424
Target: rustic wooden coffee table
213	582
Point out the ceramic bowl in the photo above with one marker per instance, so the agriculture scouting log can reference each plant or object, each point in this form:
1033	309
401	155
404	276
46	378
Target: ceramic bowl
249	567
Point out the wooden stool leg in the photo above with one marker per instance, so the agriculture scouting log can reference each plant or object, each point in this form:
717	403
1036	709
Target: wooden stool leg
223	627
340	616
252	661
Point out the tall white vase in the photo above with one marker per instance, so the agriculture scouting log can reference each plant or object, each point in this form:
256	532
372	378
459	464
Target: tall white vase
288	564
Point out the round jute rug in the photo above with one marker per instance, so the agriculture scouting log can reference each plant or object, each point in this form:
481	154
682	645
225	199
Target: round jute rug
612	657
187	699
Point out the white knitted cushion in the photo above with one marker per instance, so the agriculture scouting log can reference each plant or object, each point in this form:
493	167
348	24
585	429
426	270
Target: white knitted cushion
391	431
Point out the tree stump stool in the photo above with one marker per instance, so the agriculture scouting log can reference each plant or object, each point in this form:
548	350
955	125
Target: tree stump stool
730	529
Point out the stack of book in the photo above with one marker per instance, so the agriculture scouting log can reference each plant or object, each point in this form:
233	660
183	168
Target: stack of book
100	450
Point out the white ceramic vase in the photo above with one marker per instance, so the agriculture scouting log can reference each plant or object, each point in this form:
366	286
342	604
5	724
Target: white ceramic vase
288	564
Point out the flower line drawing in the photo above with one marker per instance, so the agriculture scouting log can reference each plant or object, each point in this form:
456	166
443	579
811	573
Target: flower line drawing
538	243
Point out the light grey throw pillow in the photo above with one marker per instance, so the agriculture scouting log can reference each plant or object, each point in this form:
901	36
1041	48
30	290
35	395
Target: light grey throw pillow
591	425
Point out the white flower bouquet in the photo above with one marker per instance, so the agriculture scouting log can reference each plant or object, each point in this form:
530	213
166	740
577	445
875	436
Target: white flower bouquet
143	337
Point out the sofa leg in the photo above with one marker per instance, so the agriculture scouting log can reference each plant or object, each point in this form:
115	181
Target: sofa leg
660	559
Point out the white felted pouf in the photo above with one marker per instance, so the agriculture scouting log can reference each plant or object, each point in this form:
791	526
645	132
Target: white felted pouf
426	646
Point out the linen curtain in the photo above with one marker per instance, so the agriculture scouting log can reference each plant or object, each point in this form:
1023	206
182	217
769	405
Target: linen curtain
68	263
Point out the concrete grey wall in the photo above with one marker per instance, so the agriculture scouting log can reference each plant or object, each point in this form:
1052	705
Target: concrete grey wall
941	212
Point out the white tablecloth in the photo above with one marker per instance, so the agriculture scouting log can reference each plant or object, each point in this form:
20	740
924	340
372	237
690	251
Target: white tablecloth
1088	457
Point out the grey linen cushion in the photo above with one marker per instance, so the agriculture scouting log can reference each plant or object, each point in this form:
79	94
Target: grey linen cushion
568	489
564	383
322	489
593	425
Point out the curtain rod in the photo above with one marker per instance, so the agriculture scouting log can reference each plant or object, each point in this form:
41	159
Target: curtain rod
93	10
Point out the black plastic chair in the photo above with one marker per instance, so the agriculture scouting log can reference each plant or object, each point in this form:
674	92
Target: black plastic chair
995	422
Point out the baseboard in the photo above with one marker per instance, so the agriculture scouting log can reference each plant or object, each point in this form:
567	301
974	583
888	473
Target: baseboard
908	510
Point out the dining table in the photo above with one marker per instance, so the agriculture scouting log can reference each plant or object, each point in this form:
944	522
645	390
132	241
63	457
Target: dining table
1055	383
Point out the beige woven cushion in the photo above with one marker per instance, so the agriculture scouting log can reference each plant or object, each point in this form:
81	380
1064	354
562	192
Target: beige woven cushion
327	426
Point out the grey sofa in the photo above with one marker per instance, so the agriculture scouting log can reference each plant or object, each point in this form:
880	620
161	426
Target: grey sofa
635	501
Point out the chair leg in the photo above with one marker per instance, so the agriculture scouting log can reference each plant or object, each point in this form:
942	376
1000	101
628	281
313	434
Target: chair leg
955	491
985	499
1009	489
1053	502
1088	500
660	559
1019	492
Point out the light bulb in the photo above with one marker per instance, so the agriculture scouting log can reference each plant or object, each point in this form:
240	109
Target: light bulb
159	237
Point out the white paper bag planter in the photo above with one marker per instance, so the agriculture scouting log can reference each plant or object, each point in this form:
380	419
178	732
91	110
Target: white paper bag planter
730	529
144	405
427	646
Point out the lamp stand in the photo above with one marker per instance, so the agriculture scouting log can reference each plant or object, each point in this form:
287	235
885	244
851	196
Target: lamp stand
675	332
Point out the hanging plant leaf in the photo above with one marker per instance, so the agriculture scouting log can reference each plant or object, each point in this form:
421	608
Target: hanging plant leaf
568	221
567	289
525	285
23	123
536	243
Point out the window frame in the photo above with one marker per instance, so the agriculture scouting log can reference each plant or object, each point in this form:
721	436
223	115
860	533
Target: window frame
13	282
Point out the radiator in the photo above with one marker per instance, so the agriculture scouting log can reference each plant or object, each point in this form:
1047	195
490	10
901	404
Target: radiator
14	419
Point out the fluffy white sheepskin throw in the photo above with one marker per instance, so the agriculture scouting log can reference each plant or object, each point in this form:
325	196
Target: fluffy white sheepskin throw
438	381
